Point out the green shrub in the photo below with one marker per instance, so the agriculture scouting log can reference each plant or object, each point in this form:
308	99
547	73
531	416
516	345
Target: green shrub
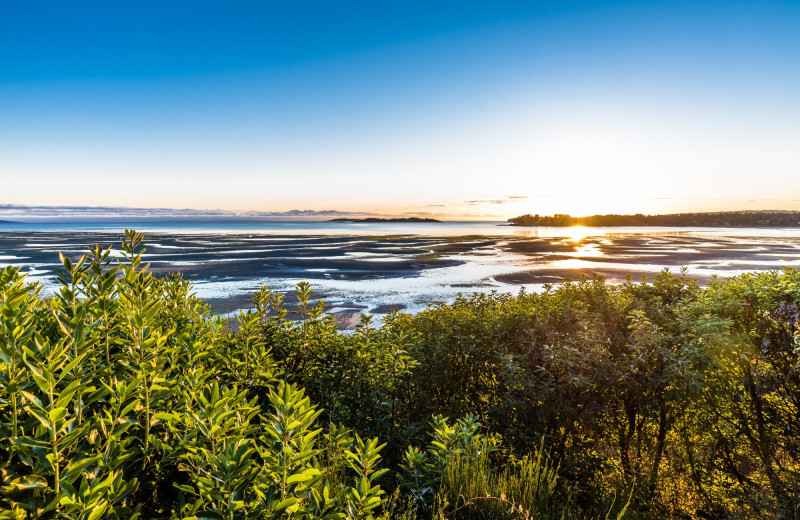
122	397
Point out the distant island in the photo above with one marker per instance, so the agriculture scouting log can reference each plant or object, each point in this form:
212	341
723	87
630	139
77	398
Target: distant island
711	219
392	220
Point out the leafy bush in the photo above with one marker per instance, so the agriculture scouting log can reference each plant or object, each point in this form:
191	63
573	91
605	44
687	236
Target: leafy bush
121	397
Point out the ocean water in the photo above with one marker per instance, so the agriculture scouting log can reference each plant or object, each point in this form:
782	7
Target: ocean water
376	267
449	228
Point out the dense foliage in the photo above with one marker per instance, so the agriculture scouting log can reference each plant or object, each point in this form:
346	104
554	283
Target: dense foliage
708	219
122	397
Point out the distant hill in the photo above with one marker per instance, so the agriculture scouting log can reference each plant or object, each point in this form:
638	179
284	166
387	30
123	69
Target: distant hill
391	220
711	219
8	222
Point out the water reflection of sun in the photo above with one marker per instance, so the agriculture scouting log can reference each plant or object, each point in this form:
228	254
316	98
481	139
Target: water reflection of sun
578	233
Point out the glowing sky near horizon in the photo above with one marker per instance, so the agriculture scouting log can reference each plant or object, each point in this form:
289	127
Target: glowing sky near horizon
455	109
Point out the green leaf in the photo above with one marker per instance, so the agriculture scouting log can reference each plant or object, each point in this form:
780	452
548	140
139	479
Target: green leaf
32	398
68	392
30	443
98	510
41	377
304	476
76	467
28	482
208	515
286	503
41	416
56	414
185	489
378	474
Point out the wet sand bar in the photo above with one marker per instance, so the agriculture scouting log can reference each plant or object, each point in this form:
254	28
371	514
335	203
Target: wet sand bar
361	273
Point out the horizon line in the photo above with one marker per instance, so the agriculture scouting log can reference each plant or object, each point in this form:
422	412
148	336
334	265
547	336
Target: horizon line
118	213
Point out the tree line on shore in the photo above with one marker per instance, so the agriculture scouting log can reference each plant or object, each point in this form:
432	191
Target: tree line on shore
707	219
122	397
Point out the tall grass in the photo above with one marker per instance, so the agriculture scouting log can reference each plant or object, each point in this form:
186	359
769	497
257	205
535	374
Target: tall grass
525	488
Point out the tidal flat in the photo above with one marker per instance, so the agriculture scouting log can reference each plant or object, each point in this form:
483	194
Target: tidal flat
358	272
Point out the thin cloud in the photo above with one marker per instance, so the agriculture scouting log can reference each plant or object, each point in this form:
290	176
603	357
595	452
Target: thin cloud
451	216
299	213
508	199
481	202
112	212
497	200
100	213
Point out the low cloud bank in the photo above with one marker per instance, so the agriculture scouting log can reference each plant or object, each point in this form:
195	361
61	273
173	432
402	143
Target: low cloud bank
25	212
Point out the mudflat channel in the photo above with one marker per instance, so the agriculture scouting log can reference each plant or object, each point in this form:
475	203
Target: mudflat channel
380	273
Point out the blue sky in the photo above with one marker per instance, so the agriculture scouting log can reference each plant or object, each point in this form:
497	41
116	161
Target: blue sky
459	109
